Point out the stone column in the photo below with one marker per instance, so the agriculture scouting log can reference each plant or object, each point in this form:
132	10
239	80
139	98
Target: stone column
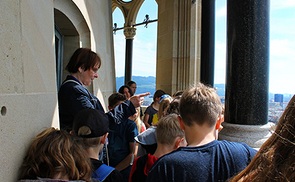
178	44
208	42
129	34
246	98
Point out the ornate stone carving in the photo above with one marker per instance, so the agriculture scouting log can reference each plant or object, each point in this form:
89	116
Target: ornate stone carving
129	32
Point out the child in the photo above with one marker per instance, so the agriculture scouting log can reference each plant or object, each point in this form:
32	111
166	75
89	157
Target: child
152	109
169	137
163	105
92	126
55	154
147	140
136	118
121	147
205	158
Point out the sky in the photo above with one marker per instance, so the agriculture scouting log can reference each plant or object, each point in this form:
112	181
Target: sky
282	47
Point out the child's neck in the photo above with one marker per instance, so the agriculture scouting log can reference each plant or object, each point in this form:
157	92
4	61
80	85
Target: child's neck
162	150
93	152
199	135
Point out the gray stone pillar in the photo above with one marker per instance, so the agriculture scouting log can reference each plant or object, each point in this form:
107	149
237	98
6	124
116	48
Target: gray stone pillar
246	98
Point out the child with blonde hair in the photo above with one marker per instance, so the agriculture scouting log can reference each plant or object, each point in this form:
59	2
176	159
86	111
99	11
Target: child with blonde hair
164	102
169	137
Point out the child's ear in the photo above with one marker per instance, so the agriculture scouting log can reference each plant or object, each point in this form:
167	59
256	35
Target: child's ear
181	122
220	119
71	132
109	108
178	140
104	138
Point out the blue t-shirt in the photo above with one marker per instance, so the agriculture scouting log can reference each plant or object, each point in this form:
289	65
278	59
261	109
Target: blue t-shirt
215	161
119	138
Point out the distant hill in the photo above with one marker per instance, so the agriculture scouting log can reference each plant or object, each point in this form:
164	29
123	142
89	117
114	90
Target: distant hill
148	84
144	84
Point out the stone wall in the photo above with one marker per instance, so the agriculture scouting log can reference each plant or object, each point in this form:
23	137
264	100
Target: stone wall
28	91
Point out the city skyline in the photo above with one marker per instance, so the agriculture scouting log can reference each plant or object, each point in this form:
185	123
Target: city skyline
282	51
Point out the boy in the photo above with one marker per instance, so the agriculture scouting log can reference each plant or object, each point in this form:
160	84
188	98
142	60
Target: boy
121	147
92	126
205	158
169	137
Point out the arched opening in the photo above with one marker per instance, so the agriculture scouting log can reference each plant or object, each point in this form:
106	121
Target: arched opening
145	41
119	48
71	32
66	41
144	48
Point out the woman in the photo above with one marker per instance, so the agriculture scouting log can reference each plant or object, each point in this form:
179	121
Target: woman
275	161
73	97
133	86
54	154
126	90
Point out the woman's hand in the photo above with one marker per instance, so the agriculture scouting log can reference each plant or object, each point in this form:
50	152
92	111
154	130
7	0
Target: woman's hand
137	100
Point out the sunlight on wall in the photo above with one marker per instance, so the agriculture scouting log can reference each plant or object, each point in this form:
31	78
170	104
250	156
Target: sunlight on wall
55	117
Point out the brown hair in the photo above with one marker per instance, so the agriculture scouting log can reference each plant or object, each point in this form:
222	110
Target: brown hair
174	106
157	94
115	98
85	58
168	130
163	105
121	89
200	104
130	83
275	160
178	93
56	152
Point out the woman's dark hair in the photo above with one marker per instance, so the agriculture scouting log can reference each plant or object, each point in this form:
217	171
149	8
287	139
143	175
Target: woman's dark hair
158	93
130	83
84	58
121	89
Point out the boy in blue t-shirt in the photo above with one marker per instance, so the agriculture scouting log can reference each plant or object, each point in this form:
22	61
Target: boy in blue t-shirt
205	158
121	147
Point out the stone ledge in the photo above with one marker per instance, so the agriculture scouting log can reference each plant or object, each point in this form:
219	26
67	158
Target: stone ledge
252	135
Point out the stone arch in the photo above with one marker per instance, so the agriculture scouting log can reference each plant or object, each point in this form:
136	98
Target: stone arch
129	10
71	23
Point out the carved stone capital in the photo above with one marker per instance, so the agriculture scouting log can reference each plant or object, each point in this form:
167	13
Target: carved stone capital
129	32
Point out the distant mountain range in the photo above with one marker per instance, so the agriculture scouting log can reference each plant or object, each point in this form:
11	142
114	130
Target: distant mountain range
144	84
148	84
